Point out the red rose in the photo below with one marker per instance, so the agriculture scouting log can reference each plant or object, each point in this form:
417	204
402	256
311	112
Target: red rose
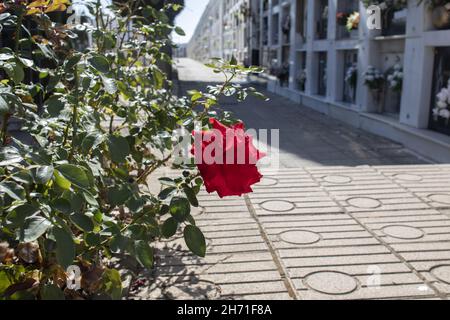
226	159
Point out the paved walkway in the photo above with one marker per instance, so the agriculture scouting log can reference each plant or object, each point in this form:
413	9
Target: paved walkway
370	228
307	138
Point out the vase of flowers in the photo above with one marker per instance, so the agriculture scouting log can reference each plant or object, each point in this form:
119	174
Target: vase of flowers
440	13
301	80
353	21
374	80
341	18
351	75
442	109
395	78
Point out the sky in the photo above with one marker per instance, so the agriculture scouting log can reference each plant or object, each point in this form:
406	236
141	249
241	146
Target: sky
189	18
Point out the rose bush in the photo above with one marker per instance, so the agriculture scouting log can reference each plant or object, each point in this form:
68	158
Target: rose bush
98	118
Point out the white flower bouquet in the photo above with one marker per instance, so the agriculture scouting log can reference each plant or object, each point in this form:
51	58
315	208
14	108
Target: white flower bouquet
373	78
301	79
351	75
443	104
395	78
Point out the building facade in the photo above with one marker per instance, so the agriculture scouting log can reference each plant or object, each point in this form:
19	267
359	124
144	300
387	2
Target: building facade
225	30
392	81
207	40
336	70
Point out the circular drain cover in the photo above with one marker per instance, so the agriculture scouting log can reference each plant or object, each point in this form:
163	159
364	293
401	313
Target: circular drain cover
266	181
442	273
408	177
299	237
337	179
403	232
278	205
331	282
440	198
365	203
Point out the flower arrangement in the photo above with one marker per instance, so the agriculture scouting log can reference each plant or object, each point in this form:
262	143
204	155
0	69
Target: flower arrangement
443	104
395	78
353	21
373	78
432	4
351	75
341	18
301	79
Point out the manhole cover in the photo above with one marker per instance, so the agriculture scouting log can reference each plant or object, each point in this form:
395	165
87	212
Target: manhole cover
278	205
266	181
337	179
408	177
364	203
442	273
331	282
440	198
299	237
403	232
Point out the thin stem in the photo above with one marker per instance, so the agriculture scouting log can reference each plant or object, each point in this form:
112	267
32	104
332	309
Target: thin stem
149	170
6	117
18	31
111	122
75	114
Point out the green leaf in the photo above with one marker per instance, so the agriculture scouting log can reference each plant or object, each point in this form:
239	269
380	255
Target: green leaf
167	182
62	205
92	239
43	174
14	190
82	221
144	254
33	228
169	228
233	61
75	174
90	198
164	194
180	31
54	105
195	240
109	84
9	156
52	292
65	247
119	243
119	148
4	106
61	181
99	63
91	141
14	71
5	281
16	218
118	195
72	62
158	78
180	208
190	194
112	284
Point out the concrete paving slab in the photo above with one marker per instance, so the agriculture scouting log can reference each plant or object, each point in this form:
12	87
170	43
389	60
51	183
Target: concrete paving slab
366	227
